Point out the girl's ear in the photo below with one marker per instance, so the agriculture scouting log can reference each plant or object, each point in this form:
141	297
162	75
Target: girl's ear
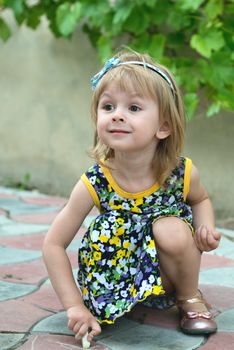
163	131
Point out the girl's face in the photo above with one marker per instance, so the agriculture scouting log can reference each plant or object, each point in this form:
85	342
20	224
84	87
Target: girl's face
128	121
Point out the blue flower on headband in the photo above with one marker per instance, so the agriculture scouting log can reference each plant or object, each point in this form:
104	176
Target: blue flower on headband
115	62
111	63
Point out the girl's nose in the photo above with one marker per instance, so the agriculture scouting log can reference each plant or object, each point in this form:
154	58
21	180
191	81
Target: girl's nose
118	116
117	119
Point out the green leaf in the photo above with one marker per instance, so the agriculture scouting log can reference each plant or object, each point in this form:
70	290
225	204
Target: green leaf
5	31
137	22
151	3
97	13
16	5
189	4
191	102
120	16
67	16
214	8
122	13
104	46
140	42
206	42
219	72
156	46
213	109
34	16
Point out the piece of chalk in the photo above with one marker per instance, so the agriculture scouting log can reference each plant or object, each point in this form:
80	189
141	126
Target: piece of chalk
85	342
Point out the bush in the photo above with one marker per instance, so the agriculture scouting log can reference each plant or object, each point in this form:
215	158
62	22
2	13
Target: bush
194	38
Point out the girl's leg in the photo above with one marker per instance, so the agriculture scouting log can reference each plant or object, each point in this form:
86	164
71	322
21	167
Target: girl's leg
179	257
179	261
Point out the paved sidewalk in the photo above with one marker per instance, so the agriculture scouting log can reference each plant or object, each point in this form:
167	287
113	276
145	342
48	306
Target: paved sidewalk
31	317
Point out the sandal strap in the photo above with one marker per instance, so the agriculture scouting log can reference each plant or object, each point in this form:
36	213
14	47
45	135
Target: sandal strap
196	299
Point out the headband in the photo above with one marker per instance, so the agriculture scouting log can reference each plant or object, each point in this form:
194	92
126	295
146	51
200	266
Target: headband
115	62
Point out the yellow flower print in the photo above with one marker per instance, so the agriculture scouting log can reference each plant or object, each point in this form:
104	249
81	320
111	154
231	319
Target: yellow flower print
113	261
96	247
97	255
91	262
116	207
157	290
86	260
115	241
120	221
138	201
133	291
147	293
151	244
103	238
120	231
109	188
121	253
135	210
126	244
85	291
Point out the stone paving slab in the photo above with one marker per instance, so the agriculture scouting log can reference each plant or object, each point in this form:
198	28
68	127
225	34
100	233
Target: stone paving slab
10	290
218	276
33	242
209	260
9	227
219	341
17	206
32	272
9	340
221	298
32	318
14	255
16	316
37	218
44	298
55	342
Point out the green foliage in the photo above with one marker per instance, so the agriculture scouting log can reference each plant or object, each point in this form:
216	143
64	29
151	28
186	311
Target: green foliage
194	38
23	185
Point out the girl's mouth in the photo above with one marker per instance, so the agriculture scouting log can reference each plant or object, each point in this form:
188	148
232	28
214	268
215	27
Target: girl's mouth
119	131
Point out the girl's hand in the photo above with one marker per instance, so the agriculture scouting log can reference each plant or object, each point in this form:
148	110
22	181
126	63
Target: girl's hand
81	322
207	238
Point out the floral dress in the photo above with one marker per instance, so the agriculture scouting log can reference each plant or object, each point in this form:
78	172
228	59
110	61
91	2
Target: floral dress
118	261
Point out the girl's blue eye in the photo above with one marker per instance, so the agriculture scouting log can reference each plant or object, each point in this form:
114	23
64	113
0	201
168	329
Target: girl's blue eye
134	108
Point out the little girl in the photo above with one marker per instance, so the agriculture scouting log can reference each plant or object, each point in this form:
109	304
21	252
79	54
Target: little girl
155	215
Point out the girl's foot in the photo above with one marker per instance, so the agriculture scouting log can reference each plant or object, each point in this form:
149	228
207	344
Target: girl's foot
195	316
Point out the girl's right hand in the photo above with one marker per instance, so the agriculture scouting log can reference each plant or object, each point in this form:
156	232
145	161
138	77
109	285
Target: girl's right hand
81	321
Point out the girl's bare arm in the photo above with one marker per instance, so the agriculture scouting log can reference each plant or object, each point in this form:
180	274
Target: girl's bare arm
206	236
59	236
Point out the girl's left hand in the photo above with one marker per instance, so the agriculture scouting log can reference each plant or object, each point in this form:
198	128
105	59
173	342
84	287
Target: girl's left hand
207	238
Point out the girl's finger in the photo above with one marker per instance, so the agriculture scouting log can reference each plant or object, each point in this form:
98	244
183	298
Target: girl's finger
83	330
95	330
198	238
217	235
71	324
77	327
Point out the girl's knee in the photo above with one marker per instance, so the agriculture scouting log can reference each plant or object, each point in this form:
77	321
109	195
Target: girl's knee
172	235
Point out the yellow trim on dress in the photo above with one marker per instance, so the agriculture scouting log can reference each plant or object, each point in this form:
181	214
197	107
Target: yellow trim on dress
91	190
123	193
188	166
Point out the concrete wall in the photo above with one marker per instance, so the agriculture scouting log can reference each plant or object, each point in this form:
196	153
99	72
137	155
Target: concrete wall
45	126
210	143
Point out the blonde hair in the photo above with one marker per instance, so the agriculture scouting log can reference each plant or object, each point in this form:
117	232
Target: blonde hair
147	83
